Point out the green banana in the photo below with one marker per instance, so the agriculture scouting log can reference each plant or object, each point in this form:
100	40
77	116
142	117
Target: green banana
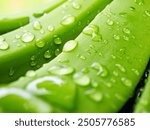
42	40
10	21
99	70
143	104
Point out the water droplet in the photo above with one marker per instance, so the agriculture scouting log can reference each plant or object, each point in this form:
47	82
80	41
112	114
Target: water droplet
139	2
147	12
126	38
110	22
47	54
81	79
85	70
34	85
17	36
57	40
57	51
11	71
100	69
94	95
94	83
51	28
126	82
42	31
116	37
136	72
27	37
76	5
67	20
96	37
126	30
3	44
40	44
32	58
33	63
115	73
61	70
90	30
82	57
70	45
120	67
37	25
31	73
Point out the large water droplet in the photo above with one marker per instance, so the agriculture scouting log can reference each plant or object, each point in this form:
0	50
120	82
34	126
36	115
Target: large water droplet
27	37
67	20
81	79
126	82
61	70
37	25
3	44
70	45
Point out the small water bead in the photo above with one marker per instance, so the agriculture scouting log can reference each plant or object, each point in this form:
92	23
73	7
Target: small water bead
11	71
120	67
85	70
110	22
96	37
139	2
47	54
42	31
94	83
81	79
61	70
101	70
31	73
136	71
57	41
116	37
32	58
67	20
27	37
126	31
76	5
115	73
70	46
147	12
119	97
90	30
51	28
57	52
126	82
40	44
96	96
33	63
82	57
126	38
37	25
3	44
18	36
